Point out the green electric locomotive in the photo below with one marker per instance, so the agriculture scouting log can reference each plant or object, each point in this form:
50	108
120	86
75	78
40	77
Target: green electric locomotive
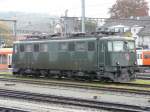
111	58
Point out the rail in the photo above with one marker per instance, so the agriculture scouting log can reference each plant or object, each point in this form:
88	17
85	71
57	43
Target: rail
125	87
5	109
73	101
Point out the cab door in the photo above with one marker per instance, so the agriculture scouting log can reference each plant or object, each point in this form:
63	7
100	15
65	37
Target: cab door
101	54
28	55
9	60
139	57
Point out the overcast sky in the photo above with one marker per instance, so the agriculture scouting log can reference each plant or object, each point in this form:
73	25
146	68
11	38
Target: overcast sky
94	8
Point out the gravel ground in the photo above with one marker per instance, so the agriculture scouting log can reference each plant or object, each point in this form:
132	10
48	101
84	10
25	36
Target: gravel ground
42	107
141	100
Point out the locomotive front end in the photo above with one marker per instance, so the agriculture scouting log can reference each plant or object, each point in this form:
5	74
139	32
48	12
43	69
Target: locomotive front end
122	56
120	59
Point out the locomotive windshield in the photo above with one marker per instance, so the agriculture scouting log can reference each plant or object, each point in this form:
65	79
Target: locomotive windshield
115	46
131	45
118	46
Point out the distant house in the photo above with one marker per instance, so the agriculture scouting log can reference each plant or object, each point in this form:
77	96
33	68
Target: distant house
120	28
139	28
70	24
144	34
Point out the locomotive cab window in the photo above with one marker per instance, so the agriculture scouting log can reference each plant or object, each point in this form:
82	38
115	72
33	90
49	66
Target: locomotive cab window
110	46
80	46
63	46
43	48
71	46
118	46
22	49
15	48
28	48
102	47
36	47
131	45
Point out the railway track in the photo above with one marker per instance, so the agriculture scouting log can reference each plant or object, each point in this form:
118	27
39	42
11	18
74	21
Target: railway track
125	87
5	109
143	76
73	101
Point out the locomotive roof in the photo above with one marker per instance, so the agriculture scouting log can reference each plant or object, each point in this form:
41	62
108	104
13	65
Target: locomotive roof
56	40
117	38
75	39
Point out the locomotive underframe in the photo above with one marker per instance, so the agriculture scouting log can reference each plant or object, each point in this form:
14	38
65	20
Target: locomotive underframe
118	74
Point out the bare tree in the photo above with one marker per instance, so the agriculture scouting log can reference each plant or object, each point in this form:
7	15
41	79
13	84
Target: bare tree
128	8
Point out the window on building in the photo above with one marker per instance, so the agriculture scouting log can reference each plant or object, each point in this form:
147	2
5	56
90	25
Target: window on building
91	46
4	59
146	56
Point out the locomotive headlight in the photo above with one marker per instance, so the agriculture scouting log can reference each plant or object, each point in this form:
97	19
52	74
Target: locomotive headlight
117	63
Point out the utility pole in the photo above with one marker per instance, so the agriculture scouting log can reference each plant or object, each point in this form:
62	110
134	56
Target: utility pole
65	22
15	28
83	15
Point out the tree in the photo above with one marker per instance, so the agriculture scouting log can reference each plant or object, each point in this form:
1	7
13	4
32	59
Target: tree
5	35
128	8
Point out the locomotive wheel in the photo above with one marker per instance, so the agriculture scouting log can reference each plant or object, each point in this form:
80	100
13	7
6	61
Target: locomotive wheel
36	75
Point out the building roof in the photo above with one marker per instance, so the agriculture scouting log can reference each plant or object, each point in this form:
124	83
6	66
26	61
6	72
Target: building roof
145	31
139	21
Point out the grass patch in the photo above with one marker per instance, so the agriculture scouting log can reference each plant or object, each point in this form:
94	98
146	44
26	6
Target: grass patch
139	81
5	73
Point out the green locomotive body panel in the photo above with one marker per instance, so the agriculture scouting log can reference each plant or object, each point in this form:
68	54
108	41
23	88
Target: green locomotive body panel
57	59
